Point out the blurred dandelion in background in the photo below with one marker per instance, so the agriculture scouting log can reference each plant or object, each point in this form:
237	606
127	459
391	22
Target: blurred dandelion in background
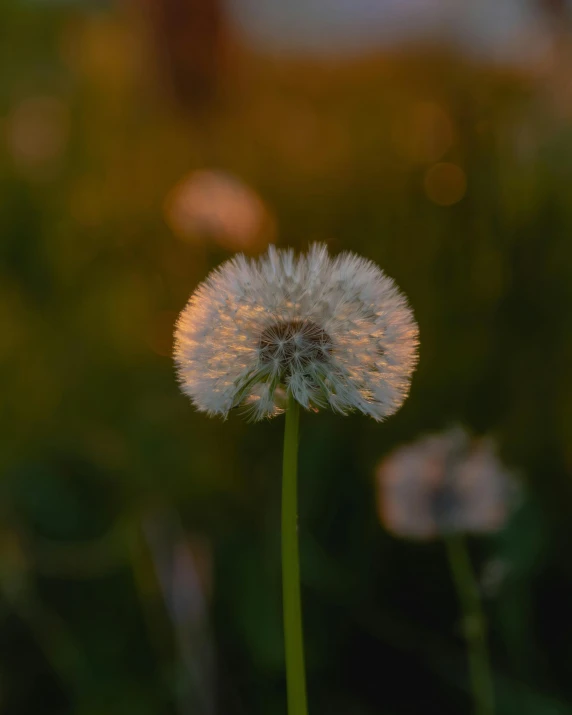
217	206
442	484
446	485
184	569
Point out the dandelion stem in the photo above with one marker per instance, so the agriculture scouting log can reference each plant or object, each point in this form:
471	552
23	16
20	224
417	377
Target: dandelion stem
293	638
474	624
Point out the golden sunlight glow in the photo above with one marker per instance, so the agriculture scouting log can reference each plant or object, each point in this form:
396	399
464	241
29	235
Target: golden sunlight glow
445	184
424	134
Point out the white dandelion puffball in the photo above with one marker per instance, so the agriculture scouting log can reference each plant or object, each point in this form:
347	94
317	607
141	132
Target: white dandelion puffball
333	332
442	484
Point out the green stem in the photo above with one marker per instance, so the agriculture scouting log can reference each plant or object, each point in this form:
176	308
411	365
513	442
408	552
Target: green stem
293	638
474	624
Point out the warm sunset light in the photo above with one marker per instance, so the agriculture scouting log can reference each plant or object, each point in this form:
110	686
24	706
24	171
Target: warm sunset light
285	347
445	184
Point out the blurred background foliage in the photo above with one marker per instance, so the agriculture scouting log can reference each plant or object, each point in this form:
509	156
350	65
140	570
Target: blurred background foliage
141	143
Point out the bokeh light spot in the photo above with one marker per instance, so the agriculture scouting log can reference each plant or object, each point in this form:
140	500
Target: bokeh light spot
424	134
445	184
217	206
36	132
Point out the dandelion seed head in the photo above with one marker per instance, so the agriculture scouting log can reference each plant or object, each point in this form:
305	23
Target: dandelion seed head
293	344
334	332
442	484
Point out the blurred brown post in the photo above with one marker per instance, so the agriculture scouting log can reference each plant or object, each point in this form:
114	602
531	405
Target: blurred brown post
557	9
190	38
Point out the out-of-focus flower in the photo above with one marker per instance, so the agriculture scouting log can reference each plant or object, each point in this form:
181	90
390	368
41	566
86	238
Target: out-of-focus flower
184	569
334	332
443	484
214	205
36	132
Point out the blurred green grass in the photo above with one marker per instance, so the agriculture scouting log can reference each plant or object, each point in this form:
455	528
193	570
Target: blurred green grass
97	438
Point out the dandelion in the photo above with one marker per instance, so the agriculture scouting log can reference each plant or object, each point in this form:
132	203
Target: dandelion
283	331
332	332
446	485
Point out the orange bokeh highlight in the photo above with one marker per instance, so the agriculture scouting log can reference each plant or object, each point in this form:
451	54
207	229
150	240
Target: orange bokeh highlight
36	132
445	184
424	134
217	206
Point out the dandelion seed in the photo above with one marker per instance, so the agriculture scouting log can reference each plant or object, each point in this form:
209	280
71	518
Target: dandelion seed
332	332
